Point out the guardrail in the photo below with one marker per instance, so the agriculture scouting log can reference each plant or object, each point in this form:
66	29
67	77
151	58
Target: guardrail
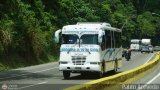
116	81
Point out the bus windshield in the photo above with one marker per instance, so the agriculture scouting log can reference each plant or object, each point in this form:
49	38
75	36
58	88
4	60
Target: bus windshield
134	42
69	38
84	39
89	39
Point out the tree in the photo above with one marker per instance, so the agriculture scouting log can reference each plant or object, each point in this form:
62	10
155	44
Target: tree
74	11
145	24
6	36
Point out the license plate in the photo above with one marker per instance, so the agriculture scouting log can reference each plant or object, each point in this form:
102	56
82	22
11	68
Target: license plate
79	68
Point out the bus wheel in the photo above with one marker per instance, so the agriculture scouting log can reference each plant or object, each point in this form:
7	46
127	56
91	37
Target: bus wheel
66	74
100	74
84	74
115	67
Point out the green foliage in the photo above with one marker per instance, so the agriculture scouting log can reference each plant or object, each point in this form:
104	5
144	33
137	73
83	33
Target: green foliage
74	11
145	24
27	26
6	35
26	34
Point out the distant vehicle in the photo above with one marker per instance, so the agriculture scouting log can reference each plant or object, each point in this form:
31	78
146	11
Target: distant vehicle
146	42
157	48
123	53
145	49
135	44
127	55
146	46
150	48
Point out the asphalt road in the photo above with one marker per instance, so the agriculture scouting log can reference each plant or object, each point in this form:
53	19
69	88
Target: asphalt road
149	82
48	77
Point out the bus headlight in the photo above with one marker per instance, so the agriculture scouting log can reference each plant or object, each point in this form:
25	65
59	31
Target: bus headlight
63	62
95	63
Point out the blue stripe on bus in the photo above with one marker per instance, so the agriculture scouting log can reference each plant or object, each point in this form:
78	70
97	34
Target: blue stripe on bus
79	49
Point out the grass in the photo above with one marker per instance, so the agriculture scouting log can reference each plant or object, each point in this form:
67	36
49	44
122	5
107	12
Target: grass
4	67
17	62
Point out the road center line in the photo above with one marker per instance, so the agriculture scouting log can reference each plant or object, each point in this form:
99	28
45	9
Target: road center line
32	85
30	73
149	59
45	70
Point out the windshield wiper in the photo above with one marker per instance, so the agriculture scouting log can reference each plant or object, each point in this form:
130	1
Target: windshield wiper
79	47
87	50
72	47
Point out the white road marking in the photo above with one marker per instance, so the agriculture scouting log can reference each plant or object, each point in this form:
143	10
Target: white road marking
45	70
149	59
149	82
30	72
33	85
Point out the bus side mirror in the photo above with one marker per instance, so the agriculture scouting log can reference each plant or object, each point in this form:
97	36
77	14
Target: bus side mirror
57	33
100	35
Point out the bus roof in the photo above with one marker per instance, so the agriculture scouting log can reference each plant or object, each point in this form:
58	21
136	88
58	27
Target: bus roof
90	26
94	23
135	40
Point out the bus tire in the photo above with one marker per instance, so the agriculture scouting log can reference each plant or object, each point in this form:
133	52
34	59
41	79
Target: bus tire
84	74
100	74
115	66
66	74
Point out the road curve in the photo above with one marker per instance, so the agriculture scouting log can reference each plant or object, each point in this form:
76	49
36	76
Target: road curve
48	77
149	82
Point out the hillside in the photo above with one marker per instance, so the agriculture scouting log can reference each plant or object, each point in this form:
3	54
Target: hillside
27	26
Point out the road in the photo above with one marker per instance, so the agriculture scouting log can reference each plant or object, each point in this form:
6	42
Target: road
48	77
149	82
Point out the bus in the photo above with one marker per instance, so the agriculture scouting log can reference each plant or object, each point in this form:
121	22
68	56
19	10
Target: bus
89	47
135	44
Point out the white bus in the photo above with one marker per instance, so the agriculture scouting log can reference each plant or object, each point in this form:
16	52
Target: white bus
89	47
135	44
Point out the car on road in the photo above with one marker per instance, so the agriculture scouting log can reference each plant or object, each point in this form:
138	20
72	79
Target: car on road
150	48
145	49
157	48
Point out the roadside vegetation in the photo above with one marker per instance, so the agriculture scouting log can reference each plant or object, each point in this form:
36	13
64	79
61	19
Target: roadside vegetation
27	26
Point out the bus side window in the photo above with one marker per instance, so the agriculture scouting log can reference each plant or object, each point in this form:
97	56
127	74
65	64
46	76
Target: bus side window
103	42
108	39
117	39
113	39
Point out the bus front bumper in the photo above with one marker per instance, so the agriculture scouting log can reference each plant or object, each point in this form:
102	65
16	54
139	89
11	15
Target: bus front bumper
79	68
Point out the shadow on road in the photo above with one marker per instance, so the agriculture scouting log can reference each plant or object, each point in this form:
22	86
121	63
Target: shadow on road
20	74
91	76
